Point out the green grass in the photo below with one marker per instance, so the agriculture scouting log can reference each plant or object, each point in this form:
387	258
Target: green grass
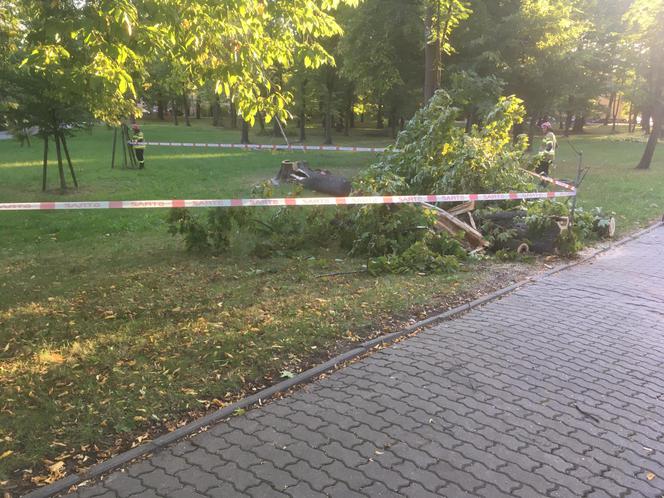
110	331
637	197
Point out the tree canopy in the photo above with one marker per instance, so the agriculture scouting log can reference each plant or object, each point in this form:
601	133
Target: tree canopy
66	63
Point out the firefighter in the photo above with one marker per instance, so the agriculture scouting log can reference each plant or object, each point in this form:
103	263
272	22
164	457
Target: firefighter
548	150
139	145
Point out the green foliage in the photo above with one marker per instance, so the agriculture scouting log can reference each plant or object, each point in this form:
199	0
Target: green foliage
418	258
211	233
182	222
433	156
94	54
536	220
541	216
592	224
384	229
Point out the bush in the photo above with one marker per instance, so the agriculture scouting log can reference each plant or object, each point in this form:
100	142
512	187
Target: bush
214	234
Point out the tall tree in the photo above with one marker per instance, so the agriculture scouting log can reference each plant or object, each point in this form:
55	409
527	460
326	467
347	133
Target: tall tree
441	18
388	68
91	55
645	19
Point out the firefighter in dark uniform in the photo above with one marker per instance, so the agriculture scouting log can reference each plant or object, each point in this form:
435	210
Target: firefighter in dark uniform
138	142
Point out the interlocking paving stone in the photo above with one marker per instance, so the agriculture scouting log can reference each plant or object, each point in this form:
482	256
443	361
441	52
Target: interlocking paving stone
555	390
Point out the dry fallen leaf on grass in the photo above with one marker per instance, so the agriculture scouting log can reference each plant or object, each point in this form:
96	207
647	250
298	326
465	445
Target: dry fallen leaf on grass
6	454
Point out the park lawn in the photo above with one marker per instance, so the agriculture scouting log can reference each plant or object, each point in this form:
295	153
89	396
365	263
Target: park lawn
110	332
637	197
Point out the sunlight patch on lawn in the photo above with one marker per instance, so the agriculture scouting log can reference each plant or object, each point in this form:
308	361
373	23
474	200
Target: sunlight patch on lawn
204	155
21	164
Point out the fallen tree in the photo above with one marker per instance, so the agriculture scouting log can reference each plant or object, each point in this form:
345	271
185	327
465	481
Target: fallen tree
318	180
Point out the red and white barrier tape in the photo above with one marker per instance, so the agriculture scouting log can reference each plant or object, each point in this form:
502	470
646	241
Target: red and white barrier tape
297	201
552	181
305	148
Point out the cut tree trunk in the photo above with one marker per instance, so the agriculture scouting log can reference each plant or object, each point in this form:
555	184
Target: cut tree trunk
317	180
545	243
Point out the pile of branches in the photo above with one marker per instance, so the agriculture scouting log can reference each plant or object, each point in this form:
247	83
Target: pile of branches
431	156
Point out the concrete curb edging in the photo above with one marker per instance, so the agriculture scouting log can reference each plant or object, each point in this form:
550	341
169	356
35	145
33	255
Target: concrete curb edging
305	377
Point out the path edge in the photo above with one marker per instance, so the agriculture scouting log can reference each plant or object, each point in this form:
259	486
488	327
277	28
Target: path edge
306	377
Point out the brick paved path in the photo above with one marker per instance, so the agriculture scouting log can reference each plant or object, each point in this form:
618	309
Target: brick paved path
556	390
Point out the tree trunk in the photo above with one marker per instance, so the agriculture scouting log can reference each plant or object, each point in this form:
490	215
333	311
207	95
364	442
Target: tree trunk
160	108
198	108
469	122
328	118
46	162
261	123
531	132
380	122
233	114
616	111
579	124
216	112
303	110
185	105
61	170
609	109
645	121
633	116
71	166
303	127
350	104
568	123
431	52
175	113
649	153
244	139
125	139
276	129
